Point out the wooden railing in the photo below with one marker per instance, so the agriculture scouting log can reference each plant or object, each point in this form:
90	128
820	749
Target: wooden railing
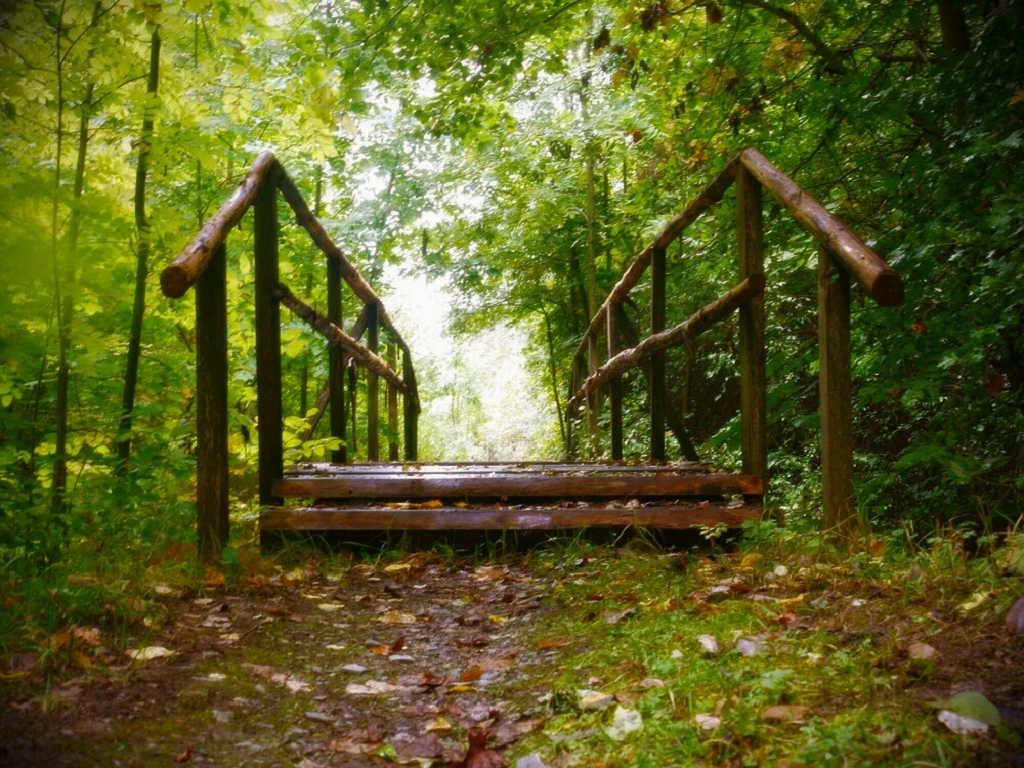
203	263
842	255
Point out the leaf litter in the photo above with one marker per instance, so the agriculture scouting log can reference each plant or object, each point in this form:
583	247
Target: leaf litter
549	661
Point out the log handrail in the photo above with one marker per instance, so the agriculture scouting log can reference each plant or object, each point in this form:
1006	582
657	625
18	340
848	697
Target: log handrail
683	334
865	266
843	257
202	264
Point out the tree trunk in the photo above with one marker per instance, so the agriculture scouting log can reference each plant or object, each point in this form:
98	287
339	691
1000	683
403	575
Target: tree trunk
131	373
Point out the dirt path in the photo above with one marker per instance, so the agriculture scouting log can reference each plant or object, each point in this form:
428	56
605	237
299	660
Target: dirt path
360	668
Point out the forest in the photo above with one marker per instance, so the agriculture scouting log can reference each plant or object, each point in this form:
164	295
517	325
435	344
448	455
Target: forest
495	166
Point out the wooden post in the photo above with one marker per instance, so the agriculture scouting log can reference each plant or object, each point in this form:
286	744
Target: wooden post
268	340
336	362
411	409
212	406
593	400
657	380
836	392
615	385
753	396
392	399
372	385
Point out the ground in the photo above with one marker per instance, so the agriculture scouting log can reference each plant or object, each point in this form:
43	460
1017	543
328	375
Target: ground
569	655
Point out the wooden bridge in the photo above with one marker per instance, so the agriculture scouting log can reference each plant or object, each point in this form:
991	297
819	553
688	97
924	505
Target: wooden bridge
410	495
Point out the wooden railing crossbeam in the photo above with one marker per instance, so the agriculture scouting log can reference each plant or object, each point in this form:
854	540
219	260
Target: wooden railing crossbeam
698	323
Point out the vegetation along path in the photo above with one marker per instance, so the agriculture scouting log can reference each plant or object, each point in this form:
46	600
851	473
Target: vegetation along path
781	653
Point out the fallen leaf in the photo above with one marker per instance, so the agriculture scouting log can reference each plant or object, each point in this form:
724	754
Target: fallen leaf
921	652
960	724
90	637
477	754
652	682
1015	618
372	687
624	722
150	652
786	713
591	700
330	607
432	504
546	644
394	567
185	755
439	725
19	663
496	619
749	647
614	617
471	674
708	643
707	722
388	650
973	705
397	617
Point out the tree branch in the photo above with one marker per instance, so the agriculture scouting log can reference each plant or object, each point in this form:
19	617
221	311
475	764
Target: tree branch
832	62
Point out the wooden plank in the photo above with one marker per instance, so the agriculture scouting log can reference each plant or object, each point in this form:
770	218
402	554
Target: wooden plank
511	486
657	359
212	406
836	390
500	468
336	362
753	358
185	270
615	385
534	518
372	385
268	341
866	267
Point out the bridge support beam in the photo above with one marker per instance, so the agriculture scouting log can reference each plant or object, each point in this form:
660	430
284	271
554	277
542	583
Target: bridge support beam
657	378
336	361
372	385
753	396
836	393
268	341
615	385
212	406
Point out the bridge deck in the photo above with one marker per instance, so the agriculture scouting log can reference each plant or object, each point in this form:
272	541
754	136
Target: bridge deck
499	496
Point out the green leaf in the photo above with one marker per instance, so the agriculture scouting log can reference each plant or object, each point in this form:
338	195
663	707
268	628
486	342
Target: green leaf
971	704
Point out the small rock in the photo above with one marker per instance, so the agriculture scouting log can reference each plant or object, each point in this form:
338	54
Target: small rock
718	593
320	717
220	716
594	700
676	654
781	571
354	668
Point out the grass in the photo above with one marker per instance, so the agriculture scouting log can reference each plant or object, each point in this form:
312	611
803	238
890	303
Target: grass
833	678
832	681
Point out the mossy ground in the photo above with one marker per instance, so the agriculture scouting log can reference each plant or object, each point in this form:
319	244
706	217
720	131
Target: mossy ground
330	660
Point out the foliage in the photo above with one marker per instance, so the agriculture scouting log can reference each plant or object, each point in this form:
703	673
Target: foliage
519	151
